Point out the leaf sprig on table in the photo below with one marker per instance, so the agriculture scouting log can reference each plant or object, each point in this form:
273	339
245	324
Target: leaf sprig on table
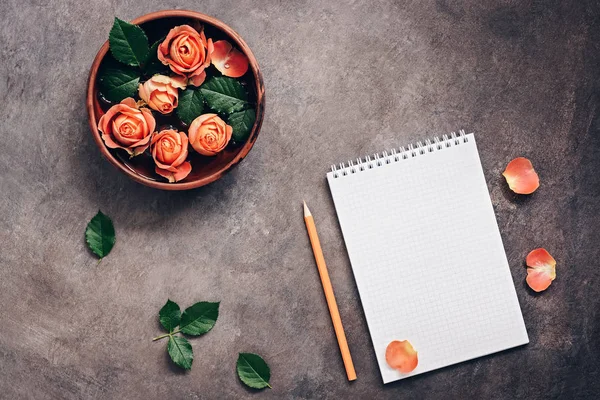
196	320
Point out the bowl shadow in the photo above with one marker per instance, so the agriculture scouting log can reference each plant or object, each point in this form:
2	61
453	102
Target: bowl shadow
114	191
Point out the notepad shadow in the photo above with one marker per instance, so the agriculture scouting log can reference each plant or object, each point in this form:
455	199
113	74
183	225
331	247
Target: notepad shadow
414	381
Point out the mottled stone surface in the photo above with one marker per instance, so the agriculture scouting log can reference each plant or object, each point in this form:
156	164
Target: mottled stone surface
342	79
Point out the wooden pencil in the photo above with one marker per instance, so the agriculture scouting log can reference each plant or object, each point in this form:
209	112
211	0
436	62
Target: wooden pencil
329	296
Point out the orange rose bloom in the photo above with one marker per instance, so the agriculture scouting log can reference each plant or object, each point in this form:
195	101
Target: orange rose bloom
160	92
187	53
169	150
125	126
209	134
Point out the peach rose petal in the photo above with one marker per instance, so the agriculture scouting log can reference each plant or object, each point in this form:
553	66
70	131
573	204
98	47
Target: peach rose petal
142	145
110	143
149	118
129	101
401	356
197	80
229	60
521	177
143	92
178	82
140	149
181	172
541	269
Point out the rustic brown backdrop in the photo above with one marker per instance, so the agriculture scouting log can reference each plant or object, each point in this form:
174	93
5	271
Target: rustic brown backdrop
342	79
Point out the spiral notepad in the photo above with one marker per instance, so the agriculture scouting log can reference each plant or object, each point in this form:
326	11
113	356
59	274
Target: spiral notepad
426	253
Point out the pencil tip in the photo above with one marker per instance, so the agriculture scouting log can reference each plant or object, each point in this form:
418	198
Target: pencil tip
306	210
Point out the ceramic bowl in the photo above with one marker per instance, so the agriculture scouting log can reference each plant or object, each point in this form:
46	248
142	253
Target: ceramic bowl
204	169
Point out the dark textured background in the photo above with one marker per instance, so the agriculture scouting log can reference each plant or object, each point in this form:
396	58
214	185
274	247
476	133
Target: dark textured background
342	79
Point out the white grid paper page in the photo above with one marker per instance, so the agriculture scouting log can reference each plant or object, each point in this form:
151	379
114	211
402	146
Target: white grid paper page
428	258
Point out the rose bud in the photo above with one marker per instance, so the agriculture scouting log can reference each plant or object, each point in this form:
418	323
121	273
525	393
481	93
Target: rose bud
125	126
187	53
160	92
170	150
209	134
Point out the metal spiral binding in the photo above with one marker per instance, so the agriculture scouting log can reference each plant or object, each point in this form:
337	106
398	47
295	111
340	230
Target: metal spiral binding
402	153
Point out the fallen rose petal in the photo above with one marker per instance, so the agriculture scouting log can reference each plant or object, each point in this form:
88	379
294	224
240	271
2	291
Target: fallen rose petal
402	356
541	269
229	60
521	177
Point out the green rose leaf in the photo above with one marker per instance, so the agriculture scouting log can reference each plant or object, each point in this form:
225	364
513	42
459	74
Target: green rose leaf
100	235
118	82
153	66
128	43
191	105
242	123
253	371
180	351
169	316
199	318
195	320
224	95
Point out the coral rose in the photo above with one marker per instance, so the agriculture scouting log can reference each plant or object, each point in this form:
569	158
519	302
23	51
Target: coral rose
169	150
125	126
160	92
209	134
187	53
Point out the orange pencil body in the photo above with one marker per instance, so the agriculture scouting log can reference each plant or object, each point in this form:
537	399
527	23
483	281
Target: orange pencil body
329	296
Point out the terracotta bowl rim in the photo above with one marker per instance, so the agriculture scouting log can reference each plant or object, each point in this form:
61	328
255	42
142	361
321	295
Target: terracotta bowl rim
243	151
